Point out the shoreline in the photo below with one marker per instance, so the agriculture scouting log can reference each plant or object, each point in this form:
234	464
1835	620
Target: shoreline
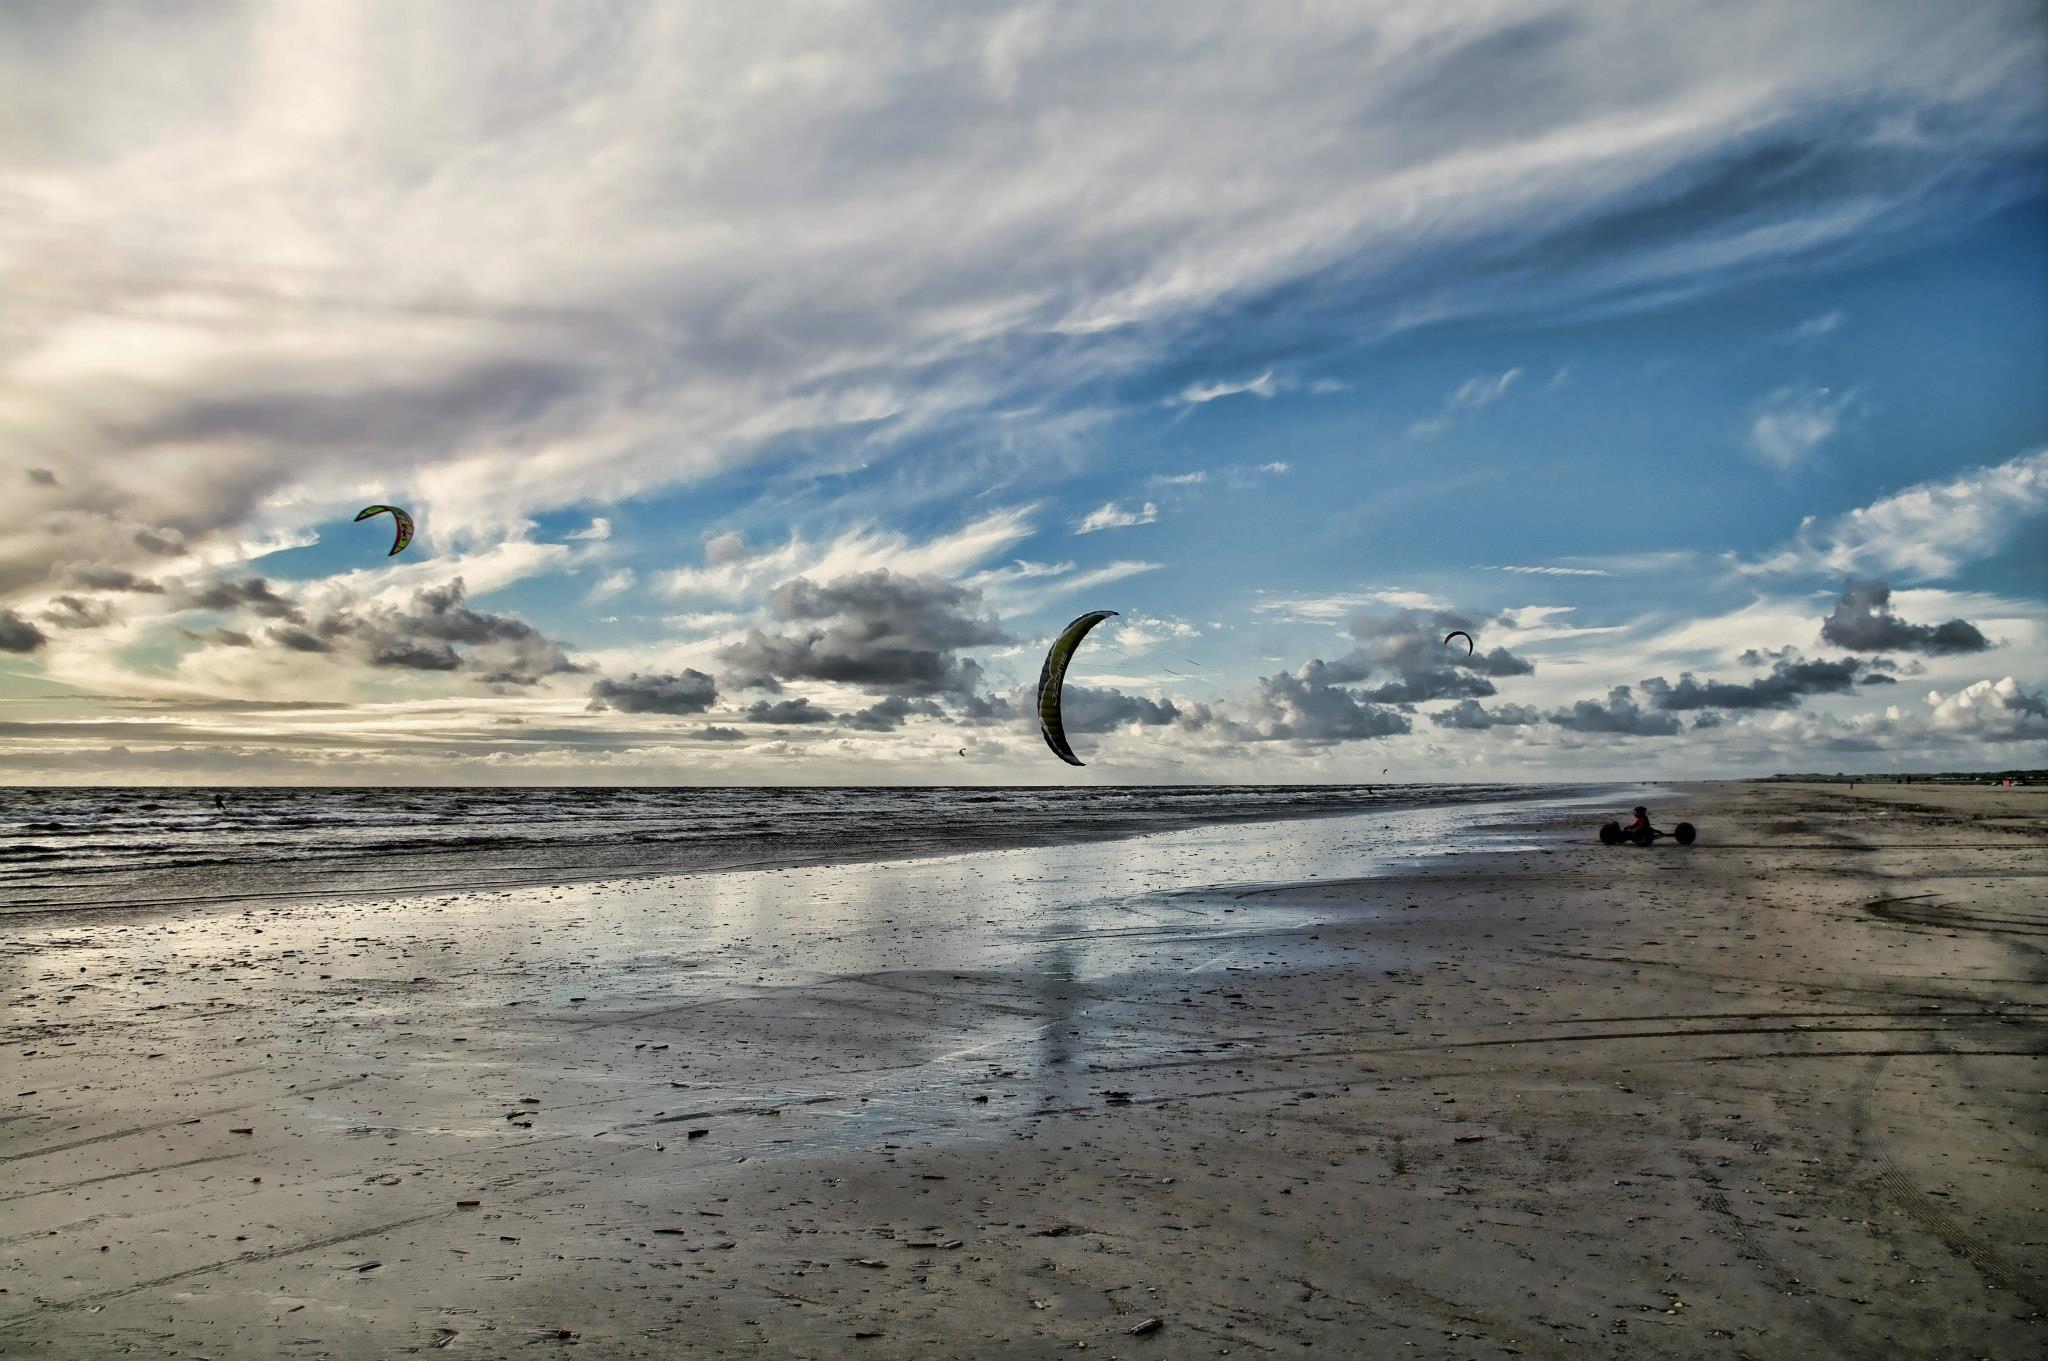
1301	1084
383	872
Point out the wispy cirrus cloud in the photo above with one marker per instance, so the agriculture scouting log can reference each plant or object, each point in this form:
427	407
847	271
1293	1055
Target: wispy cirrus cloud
1110	515
1792	424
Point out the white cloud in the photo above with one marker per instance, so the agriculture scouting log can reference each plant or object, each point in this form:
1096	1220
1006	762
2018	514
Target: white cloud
406	299
1195	393
1193	479
1112	516
1927	531
598	529
1478	392
1996	710
1552	571
616	583
1815	327
1340	605
1794	422
731	574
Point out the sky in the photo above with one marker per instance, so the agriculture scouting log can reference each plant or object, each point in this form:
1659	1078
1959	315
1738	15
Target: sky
771	384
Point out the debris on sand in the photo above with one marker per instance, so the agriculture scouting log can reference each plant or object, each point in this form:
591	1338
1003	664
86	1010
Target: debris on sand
1469	1138
1150	1325
699	1133
467	1204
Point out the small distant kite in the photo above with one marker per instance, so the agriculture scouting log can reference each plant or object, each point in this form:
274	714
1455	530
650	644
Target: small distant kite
963	751
404	525
1052	680
1460	633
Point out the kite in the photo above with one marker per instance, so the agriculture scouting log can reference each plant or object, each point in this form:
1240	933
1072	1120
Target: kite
404	525
1052	680
963	751
1460	633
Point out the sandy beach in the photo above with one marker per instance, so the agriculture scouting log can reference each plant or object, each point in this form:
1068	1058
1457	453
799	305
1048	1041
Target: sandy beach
1452	1082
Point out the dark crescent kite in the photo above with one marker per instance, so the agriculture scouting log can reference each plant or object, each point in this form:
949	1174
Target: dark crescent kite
1052	680
404	525
1460	633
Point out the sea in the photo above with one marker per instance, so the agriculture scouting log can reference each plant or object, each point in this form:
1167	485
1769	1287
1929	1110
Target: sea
110	849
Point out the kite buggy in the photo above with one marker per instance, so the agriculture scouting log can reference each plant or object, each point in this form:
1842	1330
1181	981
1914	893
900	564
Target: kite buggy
1641	833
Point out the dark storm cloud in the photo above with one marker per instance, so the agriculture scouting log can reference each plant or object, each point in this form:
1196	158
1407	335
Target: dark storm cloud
112	579
715	733
422	635
1863	622
297	639
78	612
1083	709
219	637
42	477
1470	715
250	593
18	635
434	631
786	711
1878	678
165	543
1408	647
878	630
887	715
1302	708
1619	713
1787	684
691	692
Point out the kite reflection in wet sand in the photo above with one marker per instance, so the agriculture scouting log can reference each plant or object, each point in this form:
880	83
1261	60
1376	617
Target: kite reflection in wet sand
1052	678
404	525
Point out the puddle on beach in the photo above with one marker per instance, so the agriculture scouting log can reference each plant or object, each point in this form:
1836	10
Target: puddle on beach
796	1009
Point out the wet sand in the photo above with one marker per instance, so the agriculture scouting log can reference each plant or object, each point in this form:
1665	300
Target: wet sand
1776	1094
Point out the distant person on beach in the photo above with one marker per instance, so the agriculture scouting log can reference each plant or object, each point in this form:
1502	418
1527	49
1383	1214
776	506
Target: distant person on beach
220	802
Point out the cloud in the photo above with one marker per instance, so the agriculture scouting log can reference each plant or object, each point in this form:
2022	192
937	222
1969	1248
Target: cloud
687	692
887	715
42	477
1991	710
1787	684
1793	423
111	579
1196	393
1475	393
715	733
734	571
878	630
1306	708
1618	714
1408	646
1863	621
1815	327
251	593
786	711
598	530
1087	709
18	635
79	612
615	583
1276	468
1552	571
220	637
1470	715
1112	516
1928	531
1193	479
435	630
